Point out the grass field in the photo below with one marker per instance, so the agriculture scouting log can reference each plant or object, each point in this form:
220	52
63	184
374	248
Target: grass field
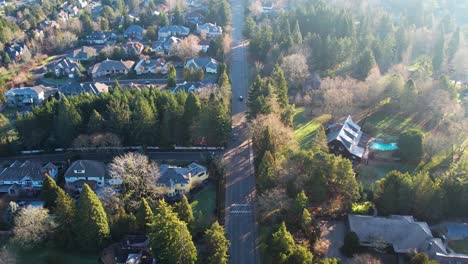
368	175
459	246
204	205
389	126
305	127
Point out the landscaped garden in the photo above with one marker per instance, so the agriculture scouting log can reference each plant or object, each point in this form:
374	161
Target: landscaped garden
203	206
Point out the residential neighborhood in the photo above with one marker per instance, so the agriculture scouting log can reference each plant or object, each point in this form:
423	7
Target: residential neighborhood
240	132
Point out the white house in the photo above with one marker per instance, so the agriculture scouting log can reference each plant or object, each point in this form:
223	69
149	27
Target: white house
27	176
28	95
85	171
177	180
209	65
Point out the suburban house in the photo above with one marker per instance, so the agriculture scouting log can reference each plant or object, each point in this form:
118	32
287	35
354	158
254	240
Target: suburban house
404	235
151	66
133	48
132	249
28	95
175	180
346	139
188	87
134	32
66	68
83	54
194	18
209	65
110	67
15	51
63	15
210	30
26	176
204	45
99	37
85	171
48	23
173	30
72	89
167	45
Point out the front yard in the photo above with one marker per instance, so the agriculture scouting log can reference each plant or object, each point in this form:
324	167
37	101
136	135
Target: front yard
203	206
306	126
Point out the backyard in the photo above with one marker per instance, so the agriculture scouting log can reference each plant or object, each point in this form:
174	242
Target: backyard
459	246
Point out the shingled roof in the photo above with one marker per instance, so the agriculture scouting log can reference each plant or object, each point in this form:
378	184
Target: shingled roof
348	133
86	168
17	171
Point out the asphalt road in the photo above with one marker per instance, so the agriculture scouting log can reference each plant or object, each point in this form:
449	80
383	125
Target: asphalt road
187	156
240	180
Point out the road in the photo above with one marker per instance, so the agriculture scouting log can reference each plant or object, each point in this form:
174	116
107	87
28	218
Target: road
240	180
107	156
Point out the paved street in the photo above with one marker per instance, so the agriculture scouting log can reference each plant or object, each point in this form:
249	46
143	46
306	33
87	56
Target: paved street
240	182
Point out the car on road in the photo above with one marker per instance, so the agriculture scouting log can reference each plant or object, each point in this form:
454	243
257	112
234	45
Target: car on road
147	82
241	98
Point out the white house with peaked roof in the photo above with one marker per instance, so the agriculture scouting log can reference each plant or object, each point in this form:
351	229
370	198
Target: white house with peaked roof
175	180
210	30
28	95
85	171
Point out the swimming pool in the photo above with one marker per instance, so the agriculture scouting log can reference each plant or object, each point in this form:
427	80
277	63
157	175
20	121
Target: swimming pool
384	146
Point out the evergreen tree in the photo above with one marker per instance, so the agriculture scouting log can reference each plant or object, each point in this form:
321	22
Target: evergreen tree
266	173
10	213
439	53
401	44
92	228
364	65
171	77
300	255
65	213
144	122
67	122
351	244
393	194
144	216
6	58
300	203
453	45
119	115
409	96
281	85
448	86
96	122
297	35
163	19
49	192
170	239
178	16
217	245
410	144
184	211
282	243
306	219
319	142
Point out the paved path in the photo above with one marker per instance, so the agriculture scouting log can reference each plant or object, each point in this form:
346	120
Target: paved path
240	180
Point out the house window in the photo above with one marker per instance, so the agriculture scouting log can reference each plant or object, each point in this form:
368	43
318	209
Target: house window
28	183
79	171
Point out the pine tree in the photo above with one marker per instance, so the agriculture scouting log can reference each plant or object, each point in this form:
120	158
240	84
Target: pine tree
96	122
65	213
6	59
67	122
297	35
170	238
306	218
144	122
409	96
282	243
49	192
364	65
178	16
300	203
92	228
300	255
319	142
439	53
453	44
171	77
217	245
144	216
266	173
184	211
192	110
281	86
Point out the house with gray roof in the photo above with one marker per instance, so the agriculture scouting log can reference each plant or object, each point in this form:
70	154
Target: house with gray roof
209	65
174	181
344	138
210	30
134	32
35	95
173	30
100	37
110	68
66	68
73	89
403	234
27	176
188	87
84	53
155	66
85	171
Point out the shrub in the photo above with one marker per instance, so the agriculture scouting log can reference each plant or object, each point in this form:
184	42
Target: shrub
362	208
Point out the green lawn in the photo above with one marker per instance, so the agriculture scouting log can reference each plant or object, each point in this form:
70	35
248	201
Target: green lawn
459	246
388	126
204	205
305	127
368	175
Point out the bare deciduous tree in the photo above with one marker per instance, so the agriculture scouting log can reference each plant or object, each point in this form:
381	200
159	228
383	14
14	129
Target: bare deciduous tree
187	48
139	176
33	226
282	135
272	203
296	69
364	259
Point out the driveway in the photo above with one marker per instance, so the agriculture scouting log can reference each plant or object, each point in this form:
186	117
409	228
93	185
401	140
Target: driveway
334	232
